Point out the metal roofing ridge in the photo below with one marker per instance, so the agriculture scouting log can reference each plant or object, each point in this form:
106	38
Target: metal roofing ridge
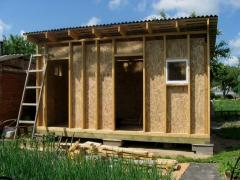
119	23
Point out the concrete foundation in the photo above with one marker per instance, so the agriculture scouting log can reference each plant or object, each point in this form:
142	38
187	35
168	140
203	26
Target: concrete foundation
205	149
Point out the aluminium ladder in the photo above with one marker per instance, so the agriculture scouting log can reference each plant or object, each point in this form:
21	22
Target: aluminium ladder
20	121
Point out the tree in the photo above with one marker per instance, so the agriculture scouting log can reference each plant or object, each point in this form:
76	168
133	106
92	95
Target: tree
16	44
163	15
193	14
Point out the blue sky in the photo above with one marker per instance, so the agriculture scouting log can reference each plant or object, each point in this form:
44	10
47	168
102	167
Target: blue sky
17	16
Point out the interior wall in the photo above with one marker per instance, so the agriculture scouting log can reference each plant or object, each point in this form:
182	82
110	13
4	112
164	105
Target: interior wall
57	94
129	47
105	87
91	85
155	86
198	85
129	94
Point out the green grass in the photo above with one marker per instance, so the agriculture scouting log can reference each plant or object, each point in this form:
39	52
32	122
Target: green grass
227	105
52	164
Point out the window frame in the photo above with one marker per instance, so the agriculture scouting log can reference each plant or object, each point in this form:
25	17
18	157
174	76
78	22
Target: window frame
186	81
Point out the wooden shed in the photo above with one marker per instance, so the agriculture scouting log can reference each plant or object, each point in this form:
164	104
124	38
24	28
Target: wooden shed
137	81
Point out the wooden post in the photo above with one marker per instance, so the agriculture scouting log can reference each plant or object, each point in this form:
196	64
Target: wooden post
97	84
113	83
83	86
165	104
70	68
145	128
44	107
189	81
207	124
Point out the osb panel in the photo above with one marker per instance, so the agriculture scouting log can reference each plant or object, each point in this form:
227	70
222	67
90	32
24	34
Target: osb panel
77	86
58	52
177	109
91	67
105	87
198	85
176	48
155	86
129	47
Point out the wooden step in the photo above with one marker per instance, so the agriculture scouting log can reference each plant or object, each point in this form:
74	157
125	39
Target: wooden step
33	87
25	122
35	70
29	104
39	55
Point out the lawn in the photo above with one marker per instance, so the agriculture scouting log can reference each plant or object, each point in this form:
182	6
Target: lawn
227	105
51	163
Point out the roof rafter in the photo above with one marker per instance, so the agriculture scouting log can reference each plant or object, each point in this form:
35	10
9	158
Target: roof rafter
50	36
73	34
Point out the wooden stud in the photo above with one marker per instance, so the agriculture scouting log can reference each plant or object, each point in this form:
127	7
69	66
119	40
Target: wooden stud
148	28
177	26
113	83
122	30
83	73
70	69
145	128
207	124
50	36
97	84
189	81
166	100
44	107
73	34
96	33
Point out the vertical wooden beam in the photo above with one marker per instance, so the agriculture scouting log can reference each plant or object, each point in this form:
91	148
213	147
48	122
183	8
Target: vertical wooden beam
113	83
97	84
145	128
38	80
165	104
83	72
189	81
45	120
207	124
70	75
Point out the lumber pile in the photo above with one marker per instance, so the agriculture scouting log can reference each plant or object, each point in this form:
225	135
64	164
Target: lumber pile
141	157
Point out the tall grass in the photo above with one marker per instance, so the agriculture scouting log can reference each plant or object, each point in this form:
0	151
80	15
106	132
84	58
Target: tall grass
22	163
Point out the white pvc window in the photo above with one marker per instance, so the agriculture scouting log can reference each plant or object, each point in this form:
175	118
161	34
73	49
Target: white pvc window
177	71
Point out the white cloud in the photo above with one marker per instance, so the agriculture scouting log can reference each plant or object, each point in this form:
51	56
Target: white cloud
142	5
232	61
177	8
22	32
93	21
114	4
235	45
3	27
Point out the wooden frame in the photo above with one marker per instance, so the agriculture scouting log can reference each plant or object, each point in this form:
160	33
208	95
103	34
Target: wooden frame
150	34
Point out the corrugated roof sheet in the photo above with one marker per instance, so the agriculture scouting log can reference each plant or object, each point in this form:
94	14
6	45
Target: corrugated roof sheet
119	23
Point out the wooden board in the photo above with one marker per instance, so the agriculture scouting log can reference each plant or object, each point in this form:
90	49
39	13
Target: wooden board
177	109
129	47
91	85
198	85
76	86
177	48
155	86
58	52
105	87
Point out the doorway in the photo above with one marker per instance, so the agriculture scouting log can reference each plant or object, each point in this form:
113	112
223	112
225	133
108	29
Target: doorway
129	94
57	93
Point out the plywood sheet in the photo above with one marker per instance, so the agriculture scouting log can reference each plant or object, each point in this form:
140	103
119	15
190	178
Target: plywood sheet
91	85
105	87
198	85
176	48
58	52
177	109
77	86
129	47
155	86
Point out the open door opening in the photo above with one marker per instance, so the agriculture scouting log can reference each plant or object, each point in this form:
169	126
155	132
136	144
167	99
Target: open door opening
129	94
57	93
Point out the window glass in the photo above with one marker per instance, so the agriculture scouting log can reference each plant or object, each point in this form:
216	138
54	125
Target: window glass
177	71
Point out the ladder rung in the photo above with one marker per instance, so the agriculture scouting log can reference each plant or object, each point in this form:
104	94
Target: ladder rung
39	55
35	70
29	104
25	122
33	87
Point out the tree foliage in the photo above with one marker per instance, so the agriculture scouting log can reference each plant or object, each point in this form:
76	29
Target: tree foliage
15	44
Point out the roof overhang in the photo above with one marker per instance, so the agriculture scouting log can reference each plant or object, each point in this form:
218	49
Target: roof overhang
203	24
